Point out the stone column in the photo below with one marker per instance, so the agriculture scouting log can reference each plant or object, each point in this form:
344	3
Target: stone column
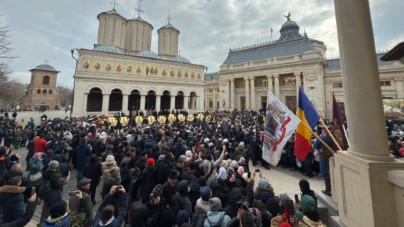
298	83
158	103
85	99
142	102
362	171
232	94
270	85
277	91
214	99
399	86
252	103
105	103
247	94
125	101
186	106
172	103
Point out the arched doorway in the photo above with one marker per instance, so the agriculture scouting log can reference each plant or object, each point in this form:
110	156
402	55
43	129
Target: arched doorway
150	100
192	100
115	100
165	100
94	100
134	100
179	100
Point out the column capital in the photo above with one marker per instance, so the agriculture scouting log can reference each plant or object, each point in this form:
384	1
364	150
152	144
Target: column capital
158	95
297	73
276	76
398	79
231	79
252	78
246	78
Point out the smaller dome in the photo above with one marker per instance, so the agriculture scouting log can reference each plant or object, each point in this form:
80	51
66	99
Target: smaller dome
148	54
289	24
112	11
141	20
169	26
45	67
109	49
180	59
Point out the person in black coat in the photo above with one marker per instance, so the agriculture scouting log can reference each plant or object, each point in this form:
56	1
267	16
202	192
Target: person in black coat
164	169
93	171
111	181
12	200
148	180
141	162
189	175
170	187
15	170
178	149
56	187
26	217
64	168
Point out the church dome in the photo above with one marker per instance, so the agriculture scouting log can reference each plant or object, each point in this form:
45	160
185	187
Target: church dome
289	31
141	20
45	67
169	26
148	54
180	59
111	12
289	24
109	49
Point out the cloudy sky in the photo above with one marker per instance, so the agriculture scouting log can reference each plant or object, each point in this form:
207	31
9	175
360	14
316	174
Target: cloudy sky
49	29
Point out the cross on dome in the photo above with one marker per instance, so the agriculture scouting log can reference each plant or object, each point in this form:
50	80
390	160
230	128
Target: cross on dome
169	19
139	11
46	61
114	4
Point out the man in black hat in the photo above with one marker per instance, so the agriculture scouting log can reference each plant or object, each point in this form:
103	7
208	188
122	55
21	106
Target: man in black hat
170	187
75	203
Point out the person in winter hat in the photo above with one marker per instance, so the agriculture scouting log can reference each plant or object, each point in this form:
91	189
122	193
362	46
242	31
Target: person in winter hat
311	218
304	202
216	217
203	202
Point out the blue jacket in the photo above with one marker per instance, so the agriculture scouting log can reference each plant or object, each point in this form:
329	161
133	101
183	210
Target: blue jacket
62	223
123	210
83	156
12	202
216	219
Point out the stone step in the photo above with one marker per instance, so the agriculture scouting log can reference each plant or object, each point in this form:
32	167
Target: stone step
335	222
331	206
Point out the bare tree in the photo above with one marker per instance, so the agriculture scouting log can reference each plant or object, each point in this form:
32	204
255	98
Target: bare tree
5	44
66	95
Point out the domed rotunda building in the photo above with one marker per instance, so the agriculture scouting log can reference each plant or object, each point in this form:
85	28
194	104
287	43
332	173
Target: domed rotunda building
122	73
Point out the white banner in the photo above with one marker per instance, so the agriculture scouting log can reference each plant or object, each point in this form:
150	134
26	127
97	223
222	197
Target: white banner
280	124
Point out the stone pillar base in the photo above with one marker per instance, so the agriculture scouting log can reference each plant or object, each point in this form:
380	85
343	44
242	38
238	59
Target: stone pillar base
365	196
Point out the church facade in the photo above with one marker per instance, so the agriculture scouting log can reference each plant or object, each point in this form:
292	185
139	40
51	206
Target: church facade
282	66
121	73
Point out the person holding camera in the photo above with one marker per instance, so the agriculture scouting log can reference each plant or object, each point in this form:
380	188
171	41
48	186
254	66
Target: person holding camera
81	203
26	217
105	213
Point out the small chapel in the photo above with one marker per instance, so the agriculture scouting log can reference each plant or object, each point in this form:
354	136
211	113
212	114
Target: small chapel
122	73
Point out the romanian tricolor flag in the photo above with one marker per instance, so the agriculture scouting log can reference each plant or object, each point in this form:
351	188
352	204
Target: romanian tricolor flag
308	116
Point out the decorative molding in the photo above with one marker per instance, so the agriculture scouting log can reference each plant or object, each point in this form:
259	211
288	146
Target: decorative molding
311	75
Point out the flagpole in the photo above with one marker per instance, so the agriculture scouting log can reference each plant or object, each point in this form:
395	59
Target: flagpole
346	135
332	136
317	137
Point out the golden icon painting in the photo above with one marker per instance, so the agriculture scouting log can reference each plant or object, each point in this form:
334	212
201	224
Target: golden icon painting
108	67
86	64
97	66
119	68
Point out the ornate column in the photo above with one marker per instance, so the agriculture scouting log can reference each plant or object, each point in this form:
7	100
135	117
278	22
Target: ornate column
186	106
252	103
364	170
270	84
142	102
158	103
85	99
125	100
214	98
298	83
399	86
105	103
233	93
277	91
247	93
172	103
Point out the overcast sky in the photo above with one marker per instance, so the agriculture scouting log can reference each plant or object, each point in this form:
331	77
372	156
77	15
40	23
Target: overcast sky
49	29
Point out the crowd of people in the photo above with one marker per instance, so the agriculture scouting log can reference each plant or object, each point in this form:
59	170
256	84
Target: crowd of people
156	175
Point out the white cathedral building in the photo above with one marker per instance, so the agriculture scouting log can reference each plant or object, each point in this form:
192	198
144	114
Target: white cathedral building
121	73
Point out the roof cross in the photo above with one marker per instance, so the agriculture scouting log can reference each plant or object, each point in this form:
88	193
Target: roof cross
46	61
169	18
139	11
114	4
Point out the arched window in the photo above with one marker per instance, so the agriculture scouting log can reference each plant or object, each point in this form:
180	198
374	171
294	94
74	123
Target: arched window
38	91
44	92
45	80
50	92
